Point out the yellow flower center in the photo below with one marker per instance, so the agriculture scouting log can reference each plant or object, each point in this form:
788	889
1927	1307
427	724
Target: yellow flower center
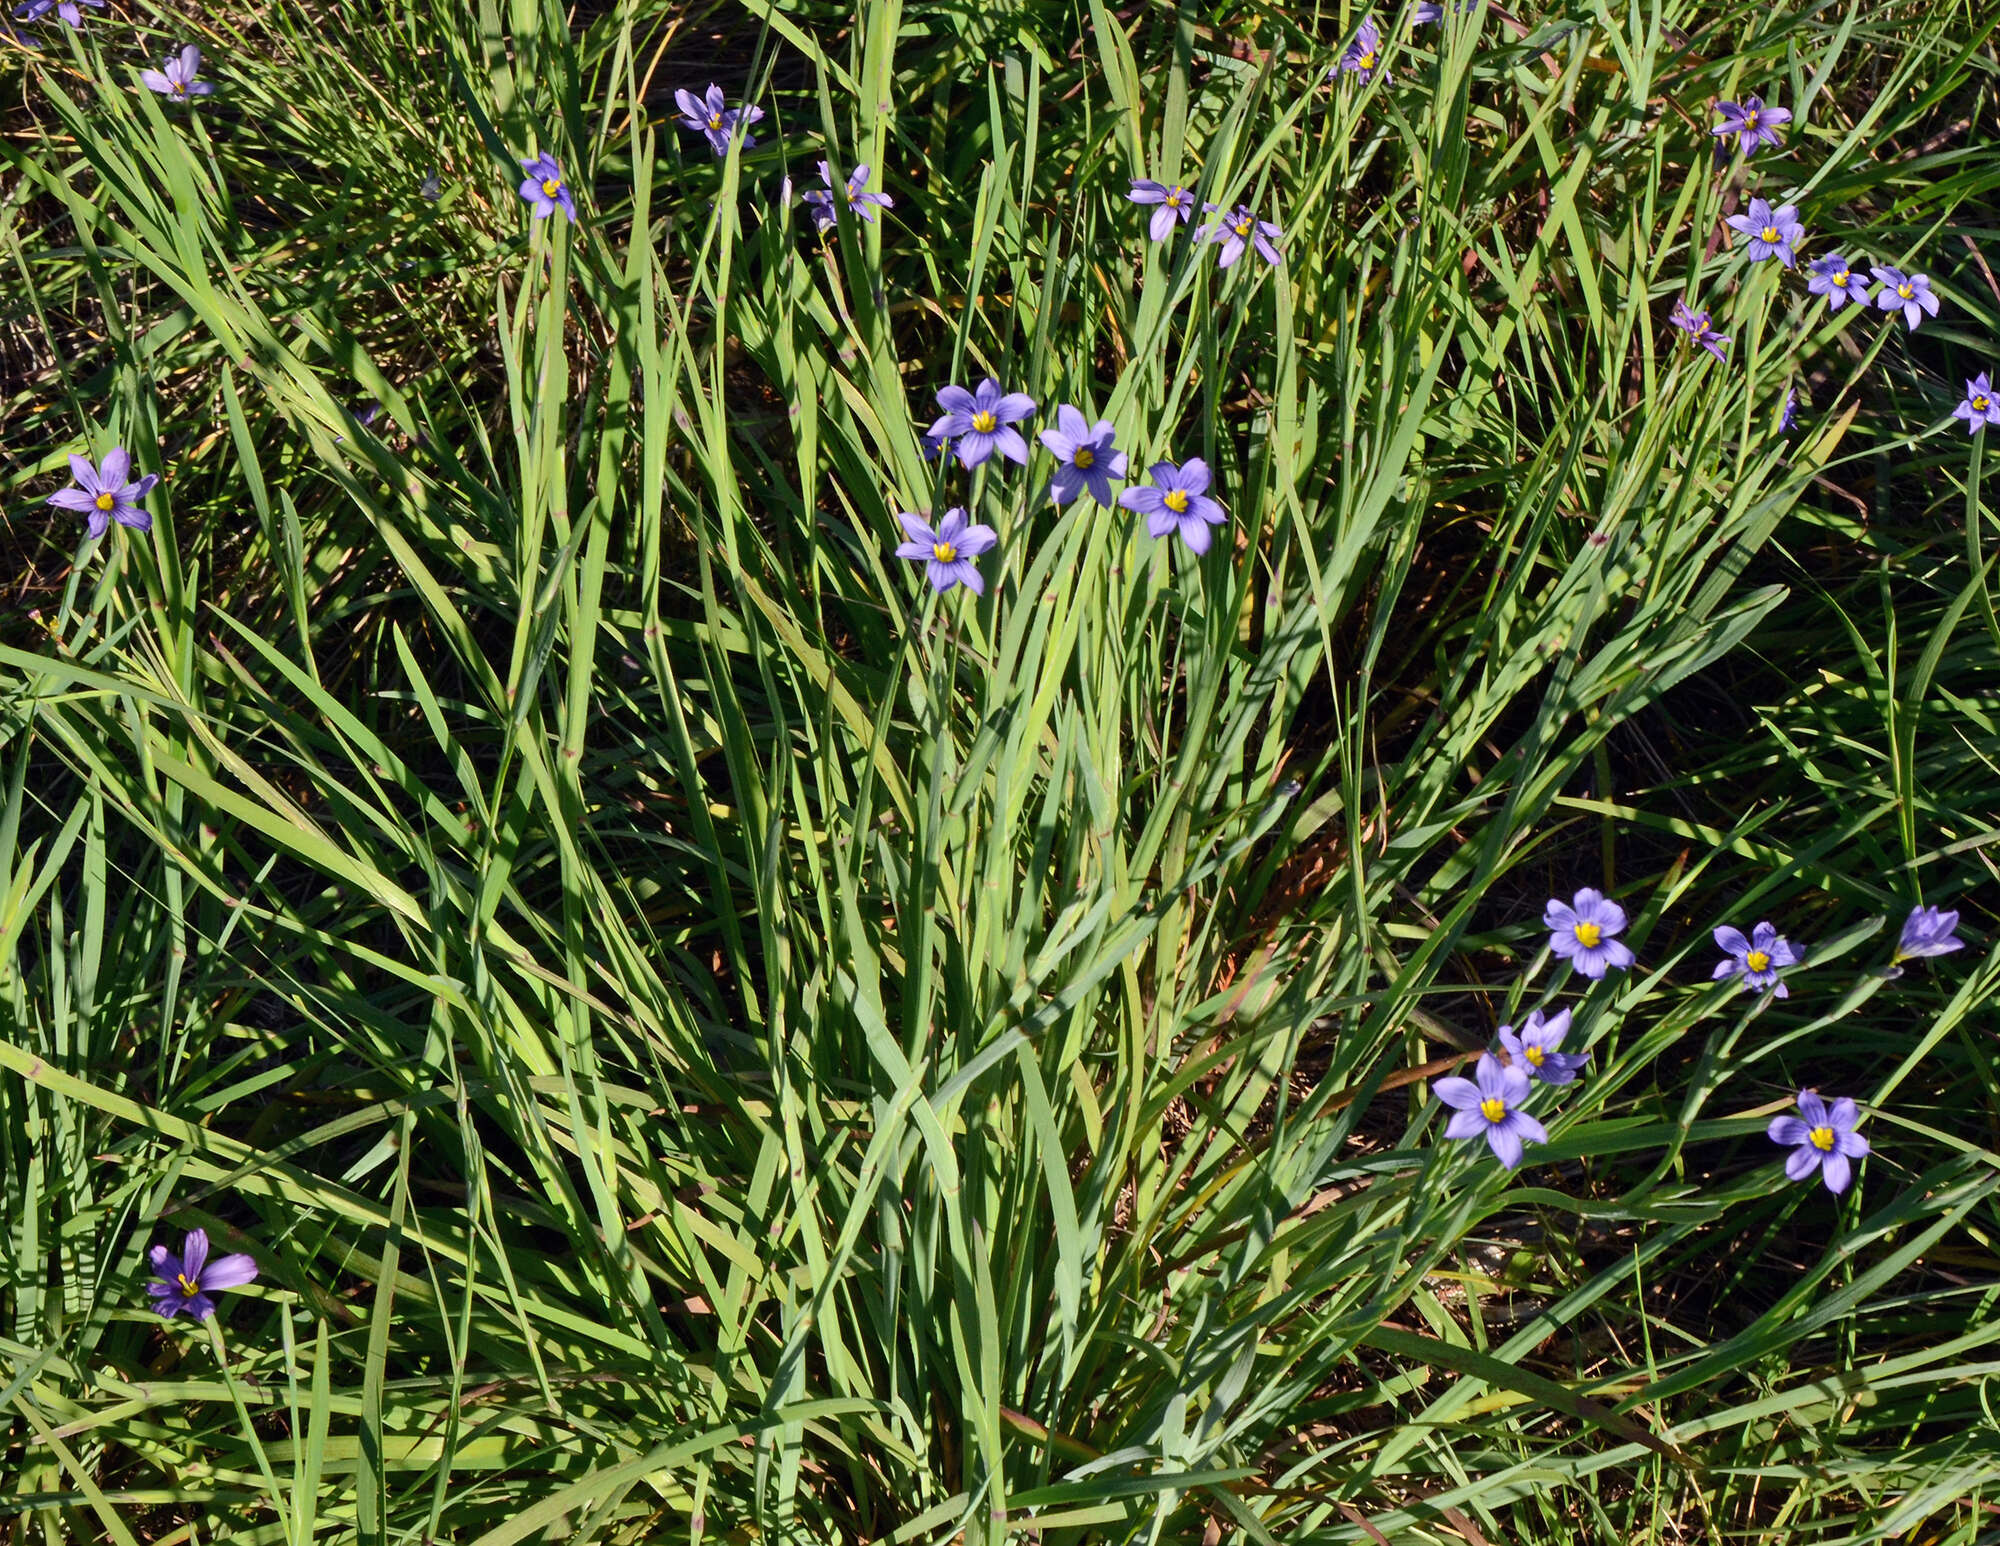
107	501
180	87
1534	1056
984	422
1085	457
187	1285
715	120
1822	1139
1768	234
1176	500
1840	279
1749	120
1243	226
1979	403
1758	961
1493	1108
1174	199
1905	291
944	552
1588	935
551	186
1366	61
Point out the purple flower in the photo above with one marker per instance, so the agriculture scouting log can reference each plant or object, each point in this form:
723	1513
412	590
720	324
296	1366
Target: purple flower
1928	932
35	10
175	78
1177	501
544	188
1240	227
1756	959
1491	1107
1821	1140
1752	123
1978	410
1834	277
982	421
947	552
1581	933
1425	12
186	1280
1908	293
1365	52
1174	204
1085	456
1788	414
107	494
1533	1049
861	205
1771	231
713	119
1696	325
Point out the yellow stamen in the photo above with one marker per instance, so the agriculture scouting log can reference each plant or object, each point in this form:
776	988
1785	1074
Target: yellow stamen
551	186
1534	1056
187	1286
1749	120
1085	457
1174	199
944	552
715	120
107	501
984	422
1840	279
1905	291
1768	234
1979	403
1243	226
1176	500
1493	1108
1367	63
1822	1139
1588	935
1757	961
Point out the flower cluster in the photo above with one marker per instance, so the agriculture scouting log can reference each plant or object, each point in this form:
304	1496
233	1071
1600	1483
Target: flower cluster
979	423
1362	58
1584	932
1776	234
710	115
1174	205
860	204
176	76
1772	233
67	10
1488	1105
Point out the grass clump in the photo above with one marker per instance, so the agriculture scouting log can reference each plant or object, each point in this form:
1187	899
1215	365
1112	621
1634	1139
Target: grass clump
706	1034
